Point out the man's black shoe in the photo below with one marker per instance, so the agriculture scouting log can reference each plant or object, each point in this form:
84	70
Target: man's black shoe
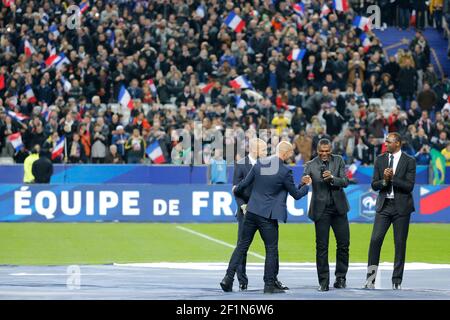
281	286
323	287
340	283
396	286
243	287
227	284
272	289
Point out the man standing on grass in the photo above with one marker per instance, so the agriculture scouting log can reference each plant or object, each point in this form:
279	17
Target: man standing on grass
272	179
329	207
257	149
394	177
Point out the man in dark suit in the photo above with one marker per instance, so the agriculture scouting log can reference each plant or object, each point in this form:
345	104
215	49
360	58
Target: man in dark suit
257	149
272	180
329	207
42	168
394	177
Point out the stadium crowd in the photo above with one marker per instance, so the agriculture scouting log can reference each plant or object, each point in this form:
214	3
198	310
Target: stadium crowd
337	89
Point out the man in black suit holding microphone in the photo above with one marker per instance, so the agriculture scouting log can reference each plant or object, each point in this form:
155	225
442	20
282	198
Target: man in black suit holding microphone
394	177
329	207
272	181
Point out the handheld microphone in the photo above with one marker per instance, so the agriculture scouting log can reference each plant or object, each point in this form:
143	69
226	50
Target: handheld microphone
322	170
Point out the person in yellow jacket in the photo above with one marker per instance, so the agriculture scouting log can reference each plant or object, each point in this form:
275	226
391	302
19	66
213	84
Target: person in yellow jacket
446	153
28	164
436	8
280	122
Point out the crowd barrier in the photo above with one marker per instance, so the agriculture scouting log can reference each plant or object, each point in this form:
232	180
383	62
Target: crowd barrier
162	174
185	203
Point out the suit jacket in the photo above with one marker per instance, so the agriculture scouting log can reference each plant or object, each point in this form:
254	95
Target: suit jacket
403	182
241	169
272	180
320	188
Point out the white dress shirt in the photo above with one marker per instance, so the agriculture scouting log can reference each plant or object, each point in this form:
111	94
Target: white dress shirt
397	156
252	161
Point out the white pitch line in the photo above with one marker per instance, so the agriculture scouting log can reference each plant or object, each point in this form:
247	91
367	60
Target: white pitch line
56	274
218	241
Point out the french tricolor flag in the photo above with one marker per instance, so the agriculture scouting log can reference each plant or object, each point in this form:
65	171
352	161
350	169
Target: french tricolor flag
240	103
28	48
125	98
325	11
352	169
62	61
84	6
365	41
155	153
66	84
17	116
8	3
240	83
52	60
59	148
53	30
299	8
362	23
235	22
296	55
341	5
207	87
16	140
31	98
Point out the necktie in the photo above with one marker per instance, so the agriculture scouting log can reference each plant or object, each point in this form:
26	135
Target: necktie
391	166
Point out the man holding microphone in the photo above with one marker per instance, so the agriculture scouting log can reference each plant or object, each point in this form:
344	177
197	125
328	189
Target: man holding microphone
328	208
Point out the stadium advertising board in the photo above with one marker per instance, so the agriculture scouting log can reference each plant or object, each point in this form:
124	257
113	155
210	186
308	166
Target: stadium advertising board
185	203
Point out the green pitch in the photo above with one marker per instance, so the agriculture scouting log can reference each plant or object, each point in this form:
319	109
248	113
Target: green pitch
104	243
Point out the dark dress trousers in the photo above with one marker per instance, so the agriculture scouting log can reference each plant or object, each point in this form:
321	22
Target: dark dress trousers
241	169
272	180
328	208
395	211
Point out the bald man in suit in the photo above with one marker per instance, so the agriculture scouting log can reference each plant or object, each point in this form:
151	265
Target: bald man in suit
272	180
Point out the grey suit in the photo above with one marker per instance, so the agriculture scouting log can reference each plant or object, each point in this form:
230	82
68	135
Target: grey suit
328	208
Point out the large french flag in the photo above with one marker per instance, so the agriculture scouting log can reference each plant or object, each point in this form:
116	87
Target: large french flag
59	148
125	98
28	48
296	55
155	153
235	22
31	98
299	8
240	82
17	116
362	23
16	140
341	5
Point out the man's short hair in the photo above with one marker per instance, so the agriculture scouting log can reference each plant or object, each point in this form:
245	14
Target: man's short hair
397	136
324	142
